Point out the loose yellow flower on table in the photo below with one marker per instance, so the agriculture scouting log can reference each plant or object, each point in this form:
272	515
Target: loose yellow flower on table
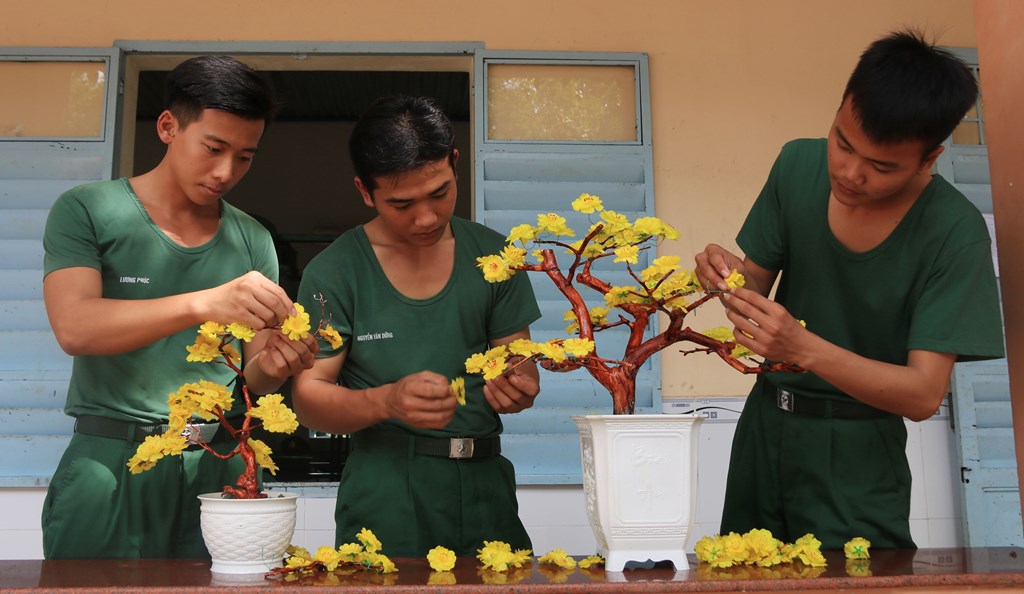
441	559
857	548
591	561
499	556
757	547
558	557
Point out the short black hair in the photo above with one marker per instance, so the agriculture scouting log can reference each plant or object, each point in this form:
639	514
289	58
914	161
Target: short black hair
399	133
218	82
904	89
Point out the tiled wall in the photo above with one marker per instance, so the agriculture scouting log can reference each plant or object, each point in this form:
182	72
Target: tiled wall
555	516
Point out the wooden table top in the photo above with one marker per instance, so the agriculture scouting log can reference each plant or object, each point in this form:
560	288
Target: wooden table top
948	569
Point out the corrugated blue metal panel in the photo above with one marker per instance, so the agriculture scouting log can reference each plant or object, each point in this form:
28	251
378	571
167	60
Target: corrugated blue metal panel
989	492
34	371
516	181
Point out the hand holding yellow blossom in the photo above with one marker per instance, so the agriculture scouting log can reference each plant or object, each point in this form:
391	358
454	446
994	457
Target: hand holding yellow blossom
441	559
458	387
296	327
734	280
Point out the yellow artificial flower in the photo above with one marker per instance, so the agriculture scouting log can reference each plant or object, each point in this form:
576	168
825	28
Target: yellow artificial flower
494	367
206	397
552	350
495	268
496	555
475	363
554	224
262	452
349	551
558	557
720	333
647	226
762	547
599	315
735	548
734	280
441	559
578	347
710	550
627	253
587	204
807	548
538	254
296	327
370	542
857	548
241	332
331	336
622	295
232	354
211	330
513	256
206	348
521	233
574	323
523	347
276	416
458	387
590	561
329	557
614	222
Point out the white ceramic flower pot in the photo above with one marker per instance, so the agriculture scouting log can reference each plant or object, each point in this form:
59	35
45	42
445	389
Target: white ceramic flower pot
246	536
640	484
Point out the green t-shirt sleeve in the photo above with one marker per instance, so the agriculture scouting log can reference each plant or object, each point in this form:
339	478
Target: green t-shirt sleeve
958	310
515	307
69	239
762	236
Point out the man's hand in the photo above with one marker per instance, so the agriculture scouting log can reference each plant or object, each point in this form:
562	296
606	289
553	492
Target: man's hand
714	264
251	299
765	327
513	392
422	400
282	357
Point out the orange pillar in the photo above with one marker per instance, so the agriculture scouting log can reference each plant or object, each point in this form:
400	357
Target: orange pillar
1000	32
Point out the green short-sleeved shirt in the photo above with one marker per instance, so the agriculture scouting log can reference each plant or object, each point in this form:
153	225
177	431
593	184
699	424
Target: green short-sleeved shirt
930	285
104	226
389	336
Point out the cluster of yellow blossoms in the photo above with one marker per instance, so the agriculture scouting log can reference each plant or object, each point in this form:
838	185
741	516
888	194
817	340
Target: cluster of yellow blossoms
494	362
758	547
208	400
365	553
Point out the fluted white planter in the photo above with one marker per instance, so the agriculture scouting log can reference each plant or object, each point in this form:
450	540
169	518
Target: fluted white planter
247	536
640	484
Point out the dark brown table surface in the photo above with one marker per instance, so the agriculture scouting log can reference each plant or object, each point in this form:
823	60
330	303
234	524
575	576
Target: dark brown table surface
922	570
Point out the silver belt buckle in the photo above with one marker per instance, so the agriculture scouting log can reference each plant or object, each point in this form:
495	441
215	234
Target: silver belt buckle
784	399
460	447
190	433
198	433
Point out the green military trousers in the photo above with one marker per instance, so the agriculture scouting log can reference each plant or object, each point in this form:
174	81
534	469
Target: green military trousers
414	502
836	478
95	508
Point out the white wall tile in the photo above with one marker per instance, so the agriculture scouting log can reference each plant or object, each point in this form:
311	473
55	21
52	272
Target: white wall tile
918	505
22	508
920	533
944	533
21	544
941	470
576	540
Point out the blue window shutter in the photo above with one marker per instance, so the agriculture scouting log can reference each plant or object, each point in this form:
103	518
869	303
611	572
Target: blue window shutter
515	181
34	371
966	165
989	493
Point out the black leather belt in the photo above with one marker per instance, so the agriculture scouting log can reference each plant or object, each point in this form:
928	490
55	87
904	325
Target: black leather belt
825	408
138	432
443	447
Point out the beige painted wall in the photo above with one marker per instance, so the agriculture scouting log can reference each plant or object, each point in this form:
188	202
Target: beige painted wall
731	80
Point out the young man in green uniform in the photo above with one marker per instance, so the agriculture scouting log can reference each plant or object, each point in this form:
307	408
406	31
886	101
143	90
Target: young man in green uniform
890	267
133	267
405	294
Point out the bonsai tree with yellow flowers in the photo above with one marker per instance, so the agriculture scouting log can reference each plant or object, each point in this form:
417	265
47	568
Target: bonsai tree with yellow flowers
661	288
208	400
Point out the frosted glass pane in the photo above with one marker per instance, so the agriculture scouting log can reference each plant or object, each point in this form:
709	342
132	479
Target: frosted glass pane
561	103
60	99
